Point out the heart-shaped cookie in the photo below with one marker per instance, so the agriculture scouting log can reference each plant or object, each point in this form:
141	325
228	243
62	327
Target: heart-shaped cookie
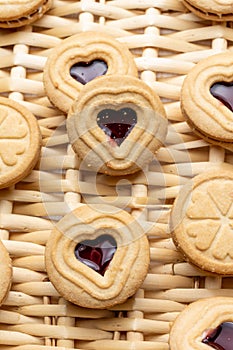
81	58
201	221
116	125
79	268
206	99
204	324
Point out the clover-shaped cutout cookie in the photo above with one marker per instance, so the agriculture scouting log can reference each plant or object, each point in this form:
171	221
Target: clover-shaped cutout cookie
202	221
20	142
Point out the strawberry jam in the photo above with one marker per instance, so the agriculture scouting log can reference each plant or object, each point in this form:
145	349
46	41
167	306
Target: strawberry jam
223	92
96	254
117	124
84	72
220	338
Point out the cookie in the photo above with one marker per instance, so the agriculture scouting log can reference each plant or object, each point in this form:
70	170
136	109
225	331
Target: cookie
6	272
17	13
215	10
97	256
204	324
116	125
206	99
202	220
20	141
80	59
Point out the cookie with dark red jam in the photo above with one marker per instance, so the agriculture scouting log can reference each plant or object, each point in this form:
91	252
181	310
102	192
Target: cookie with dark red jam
221	337
81	58
97	256
214	10
206	99
204	324
116	125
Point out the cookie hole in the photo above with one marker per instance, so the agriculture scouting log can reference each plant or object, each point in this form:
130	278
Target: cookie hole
96	254
117	124
223	91
221	337
83	72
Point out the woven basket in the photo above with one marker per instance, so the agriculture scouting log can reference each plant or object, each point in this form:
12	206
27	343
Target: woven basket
166	41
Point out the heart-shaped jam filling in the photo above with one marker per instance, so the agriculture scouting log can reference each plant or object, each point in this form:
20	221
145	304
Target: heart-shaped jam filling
220	338
117	124
84	72
223	92
96	254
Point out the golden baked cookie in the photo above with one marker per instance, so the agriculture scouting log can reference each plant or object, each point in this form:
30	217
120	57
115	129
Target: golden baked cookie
80	59
204	324
17	13
116	125
215	10
206	99
97	257
202	221
20	142
6	273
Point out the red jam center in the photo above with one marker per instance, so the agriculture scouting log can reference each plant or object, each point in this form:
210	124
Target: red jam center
117	124
84	72
223	92
220	338
96	254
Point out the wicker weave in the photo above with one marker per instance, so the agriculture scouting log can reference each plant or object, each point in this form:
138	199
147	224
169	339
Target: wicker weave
166	42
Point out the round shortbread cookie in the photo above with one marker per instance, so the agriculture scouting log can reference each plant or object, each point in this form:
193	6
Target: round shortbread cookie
215	10
117	125
202	221
203	325
80	59
17	13
20	141
97	256
206	99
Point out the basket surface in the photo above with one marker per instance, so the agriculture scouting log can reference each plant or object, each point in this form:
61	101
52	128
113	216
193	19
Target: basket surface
166	41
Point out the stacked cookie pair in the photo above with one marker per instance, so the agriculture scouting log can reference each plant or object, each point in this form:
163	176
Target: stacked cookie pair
115	122
98	256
